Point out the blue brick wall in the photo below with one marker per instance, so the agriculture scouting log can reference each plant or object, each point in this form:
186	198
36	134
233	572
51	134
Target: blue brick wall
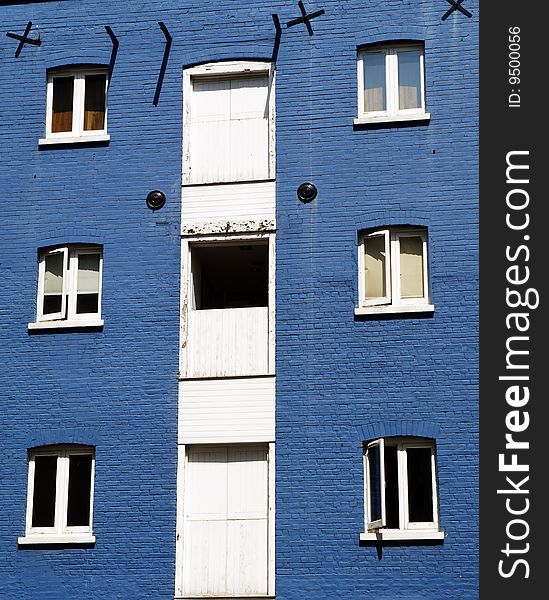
336	375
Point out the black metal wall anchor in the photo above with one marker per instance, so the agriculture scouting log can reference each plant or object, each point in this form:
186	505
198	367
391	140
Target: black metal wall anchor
278	28
115	44
305	18
456	6
164	64
24	39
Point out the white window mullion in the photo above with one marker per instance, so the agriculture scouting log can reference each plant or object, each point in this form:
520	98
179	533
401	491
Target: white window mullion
434	488
78	105
361	83
92	487
392	82
388	267
49	105
72	277
395	267
422	80
426	293
61	494
402	461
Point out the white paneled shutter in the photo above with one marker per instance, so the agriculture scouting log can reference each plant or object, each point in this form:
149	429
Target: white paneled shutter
229	129
226	526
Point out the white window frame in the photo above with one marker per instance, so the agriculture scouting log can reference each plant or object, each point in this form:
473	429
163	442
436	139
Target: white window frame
392	112
60	533
392	302
226	70
77	134
68	317
407	529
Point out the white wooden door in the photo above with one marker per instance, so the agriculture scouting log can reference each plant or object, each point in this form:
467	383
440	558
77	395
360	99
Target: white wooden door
229	129
226	526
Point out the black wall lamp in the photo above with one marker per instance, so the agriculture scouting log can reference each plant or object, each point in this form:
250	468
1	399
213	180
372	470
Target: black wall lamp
307	192
156	199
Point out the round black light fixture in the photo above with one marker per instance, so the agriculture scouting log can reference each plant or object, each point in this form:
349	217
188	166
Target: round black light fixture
307	192
156	199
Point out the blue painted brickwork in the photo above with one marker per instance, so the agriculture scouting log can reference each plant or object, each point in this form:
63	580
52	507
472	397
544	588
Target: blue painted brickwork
336	376
339	377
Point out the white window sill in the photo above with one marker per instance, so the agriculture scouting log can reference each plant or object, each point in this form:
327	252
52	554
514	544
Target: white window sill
239	596
67	324
364	120
52	538
397	534
227	182
69	139
390	309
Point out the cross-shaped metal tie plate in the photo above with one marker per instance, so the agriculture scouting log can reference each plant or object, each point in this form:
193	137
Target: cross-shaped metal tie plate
305	18
456	5
24	39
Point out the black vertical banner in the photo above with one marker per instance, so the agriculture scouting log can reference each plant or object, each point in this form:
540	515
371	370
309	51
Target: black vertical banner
514	259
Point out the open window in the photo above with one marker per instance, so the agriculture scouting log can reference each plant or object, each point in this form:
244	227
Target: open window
393	271
229	275
401	499
228	327
76	105
375	483
69	287
60	495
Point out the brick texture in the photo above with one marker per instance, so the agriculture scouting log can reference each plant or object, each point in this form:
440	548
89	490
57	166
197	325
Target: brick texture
337	375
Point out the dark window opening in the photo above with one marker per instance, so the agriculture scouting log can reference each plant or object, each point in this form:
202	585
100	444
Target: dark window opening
391	487
420	494
63	92
94	102
43	502
230	275
374	460
78	510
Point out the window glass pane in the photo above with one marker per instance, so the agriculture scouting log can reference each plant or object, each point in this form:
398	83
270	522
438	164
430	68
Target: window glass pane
87	298
53	283
374	267
375	483
94	102
420	490
391	487
43	499
63	90
411	267
409	79
78	510
374	81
